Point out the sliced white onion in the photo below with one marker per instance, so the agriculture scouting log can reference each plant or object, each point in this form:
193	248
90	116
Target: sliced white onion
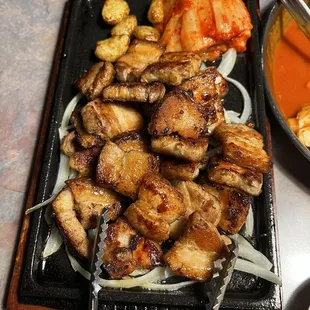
247	103
249	224
248	267
53	243
139	272
168	273
241	240
40	205
203	66
63	173
69	109
77	267
228	62
232	117
167	287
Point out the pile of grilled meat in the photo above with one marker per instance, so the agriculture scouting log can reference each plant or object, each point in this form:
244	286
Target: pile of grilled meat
148	123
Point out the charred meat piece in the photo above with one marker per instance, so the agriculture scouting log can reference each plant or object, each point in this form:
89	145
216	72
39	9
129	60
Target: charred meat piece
140	54
224	172
90	199
192	150
172	68
96	79
158	205
126	250
234	207
193	255
68	145
109	119
85	161
124	170
196	198
243	146
135	92
178	170
132	141
178	114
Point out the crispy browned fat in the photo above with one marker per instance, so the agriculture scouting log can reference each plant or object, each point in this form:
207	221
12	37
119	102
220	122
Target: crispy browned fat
172	68
243	146
132	141
125	250
135	92
124	170
180	170
178	114
226	173
85	161
96	79
140	54
109	119
193	255
193	150
158	205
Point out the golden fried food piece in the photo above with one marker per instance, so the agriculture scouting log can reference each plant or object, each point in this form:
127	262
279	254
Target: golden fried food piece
135	92
172	68
124	170
85	161
125	250
194	254
178	114
63	206
224	172
140	54
146	33
234	207
158	205
196	198
192	150
68	145
243	146
96	79
132	141
113	48
155	13
125	26
114	11
179	170
90	199
109	119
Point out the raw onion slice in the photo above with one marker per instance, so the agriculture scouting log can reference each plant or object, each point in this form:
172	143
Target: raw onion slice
69	109
167	287
231	117
249	224
53	242
77	267
248	267
228	62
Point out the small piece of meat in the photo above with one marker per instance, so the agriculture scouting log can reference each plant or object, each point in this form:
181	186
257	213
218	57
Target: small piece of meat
63	207
90	199
96	79
178	170
123	171
109	119
243	146
135	92
193	150
172	68
132	141
158	205
224	172
234	207
178	114
85	161
194	254
68	145
125	250
83	138
140	54
196	198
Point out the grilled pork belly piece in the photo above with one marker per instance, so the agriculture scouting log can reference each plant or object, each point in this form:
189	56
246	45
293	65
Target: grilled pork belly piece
172	68
132	141
192	150
109	119
126	250
140	54
159	204
68	144
96	79
194	254
90	199
124	170
135	92
243	146
85	161
179	170
226	173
